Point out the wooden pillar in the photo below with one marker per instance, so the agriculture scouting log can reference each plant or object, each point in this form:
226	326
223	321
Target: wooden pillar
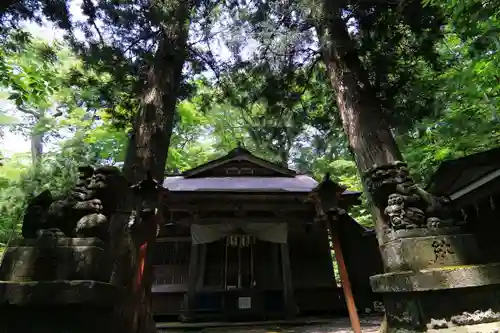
344	277
201	270
288	292
193	277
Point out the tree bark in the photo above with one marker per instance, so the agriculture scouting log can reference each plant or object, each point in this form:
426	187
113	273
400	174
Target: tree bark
370	138
150	139
148	145
36	147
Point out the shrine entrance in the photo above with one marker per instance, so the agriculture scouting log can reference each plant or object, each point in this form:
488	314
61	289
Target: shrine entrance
239	262
241	243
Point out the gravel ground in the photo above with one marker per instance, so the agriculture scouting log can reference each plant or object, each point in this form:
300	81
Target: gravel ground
340	325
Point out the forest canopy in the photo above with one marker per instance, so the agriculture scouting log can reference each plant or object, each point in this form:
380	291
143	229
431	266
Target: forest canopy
215	73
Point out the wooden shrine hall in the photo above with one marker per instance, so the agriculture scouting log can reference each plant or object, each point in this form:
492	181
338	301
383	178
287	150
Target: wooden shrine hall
473	185
240	243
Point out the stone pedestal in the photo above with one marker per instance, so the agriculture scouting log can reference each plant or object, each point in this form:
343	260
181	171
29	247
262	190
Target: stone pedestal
438	280
55	284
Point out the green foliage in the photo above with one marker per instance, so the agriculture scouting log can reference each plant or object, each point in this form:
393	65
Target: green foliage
438	82
468	93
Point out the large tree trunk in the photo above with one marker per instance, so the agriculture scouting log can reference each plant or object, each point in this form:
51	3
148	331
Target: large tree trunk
369	136
149	142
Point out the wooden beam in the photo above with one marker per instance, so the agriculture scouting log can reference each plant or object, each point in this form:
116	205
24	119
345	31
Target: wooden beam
173	239
218	206
288	291
189	298
344	276
235	220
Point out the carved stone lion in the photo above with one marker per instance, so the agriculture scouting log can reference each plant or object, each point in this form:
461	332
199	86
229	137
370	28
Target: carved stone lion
85	212
406	205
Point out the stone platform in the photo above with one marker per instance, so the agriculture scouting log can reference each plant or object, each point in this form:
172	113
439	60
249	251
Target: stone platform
56	284
438	282
58	258
369	324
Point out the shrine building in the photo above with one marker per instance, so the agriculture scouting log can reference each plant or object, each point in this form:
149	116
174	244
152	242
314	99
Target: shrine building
240	242
472	183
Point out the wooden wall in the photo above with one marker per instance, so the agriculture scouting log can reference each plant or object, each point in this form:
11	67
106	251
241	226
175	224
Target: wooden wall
171	271
481	215
311	263
362	259
312	270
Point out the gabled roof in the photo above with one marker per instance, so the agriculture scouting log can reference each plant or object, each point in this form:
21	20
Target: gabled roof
453	175
281	179
239	154
297	184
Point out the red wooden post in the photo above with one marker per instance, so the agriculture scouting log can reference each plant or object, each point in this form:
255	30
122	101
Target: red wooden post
344	278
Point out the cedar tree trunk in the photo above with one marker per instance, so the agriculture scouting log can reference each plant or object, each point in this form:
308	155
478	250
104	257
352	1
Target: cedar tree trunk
150	140
148	145
369	136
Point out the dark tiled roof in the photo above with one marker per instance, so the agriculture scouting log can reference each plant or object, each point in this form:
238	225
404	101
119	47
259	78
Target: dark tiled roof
453	175
300	183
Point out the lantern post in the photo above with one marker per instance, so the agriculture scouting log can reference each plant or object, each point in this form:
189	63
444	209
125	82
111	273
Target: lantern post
326	197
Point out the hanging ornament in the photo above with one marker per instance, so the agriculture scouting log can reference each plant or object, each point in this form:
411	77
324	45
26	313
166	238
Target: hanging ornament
233	241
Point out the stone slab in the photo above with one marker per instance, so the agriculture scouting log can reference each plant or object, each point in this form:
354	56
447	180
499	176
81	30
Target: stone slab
57	241
59	262
66	318
450	277
420	232
442	309
91	293
412	254
483	328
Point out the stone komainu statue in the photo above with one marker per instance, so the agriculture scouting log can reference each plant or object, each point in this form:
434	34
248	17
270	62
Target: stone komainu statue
85	212
83	250
406	205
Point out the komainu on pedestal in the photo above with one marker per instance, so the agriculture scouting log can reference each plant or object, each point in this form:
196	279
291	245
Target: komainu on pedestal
77	259
436	277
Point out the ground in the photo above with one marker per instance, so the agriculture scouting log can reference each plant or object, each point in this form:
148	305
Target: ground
339	325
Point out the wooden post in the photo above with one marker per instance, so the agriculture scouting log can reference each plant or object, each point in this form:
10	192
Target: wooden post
288	292
193	276
344	277
201	270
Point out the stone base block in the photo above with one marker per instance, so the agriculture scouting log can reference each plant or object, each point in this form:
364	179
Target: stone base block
450	277
483	328
439	299
57	293
411	254
420	232
55	259
68	318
